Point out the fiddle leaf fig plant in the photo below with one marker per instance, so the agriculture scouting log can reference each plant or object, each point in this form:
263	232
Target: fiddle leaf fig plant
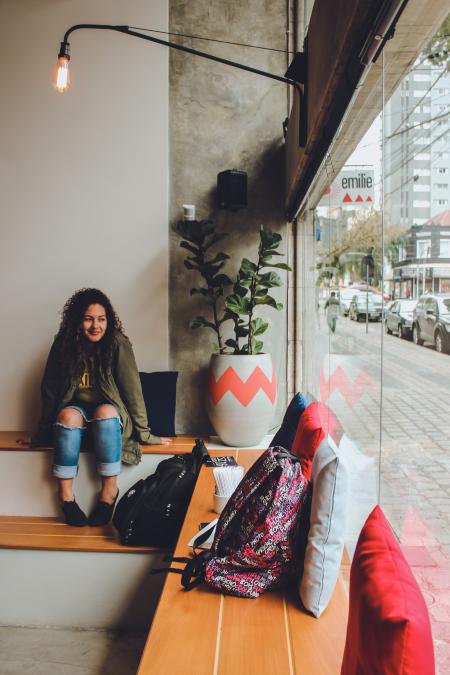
198	237
250	290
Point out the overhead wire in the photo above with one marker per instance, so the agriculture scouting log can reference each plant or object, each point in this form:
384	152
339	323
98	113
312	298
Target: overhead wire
208	39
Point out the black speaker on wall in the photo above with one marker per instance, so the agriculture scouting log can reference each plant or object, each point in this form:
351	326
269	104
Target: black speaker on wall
232	189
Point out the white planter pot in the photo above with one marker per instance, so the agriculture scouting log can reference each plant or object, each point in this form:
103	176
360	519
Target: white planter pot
241	399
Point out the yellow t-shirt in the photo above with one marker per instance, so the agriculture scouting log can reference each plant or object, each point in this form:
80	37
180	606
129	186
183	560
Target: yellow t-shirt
87	390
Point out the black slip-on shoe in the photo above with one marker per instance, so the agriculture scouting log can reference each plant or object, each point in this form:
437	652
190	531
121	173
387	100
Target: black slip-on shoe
102	513
73	515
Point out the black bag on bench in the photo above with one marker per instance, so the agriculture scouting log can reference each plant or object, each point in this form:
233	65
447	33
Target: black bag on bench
152	511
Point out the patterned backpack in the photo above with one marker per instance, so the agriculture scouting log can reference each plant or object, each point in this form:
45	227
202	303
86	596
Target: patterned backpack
260	533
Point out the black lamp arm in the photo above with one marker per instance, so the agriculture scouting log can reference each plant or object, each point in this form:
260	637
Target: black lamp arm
65	51
126	30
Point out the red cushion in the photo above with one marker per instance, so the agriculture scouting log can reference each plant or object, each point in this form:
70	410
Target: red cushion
330	423
388	631
308	437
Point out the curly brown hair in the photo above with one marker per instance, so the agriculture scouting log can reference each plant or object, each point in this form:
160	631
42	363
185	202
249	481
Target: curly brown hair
69	336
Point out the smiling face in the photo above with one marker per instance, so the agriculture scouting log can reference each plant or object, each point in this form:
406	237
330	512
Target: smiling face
94	322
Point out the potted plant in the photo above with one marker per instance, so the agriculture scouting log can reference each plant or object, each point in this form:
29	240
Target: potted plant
242	387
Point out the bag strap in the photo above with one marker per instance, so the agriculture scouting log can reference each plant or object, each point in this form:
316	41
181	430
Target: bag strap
194	571
285	454
200	453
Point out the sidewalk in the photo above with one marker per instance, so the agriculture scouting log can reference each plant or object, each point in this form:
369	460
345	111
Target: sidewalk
412	390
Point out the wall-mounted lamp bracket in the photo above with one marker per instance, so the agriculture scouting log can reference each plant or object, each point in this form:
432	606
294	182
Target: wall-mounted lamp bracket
65	52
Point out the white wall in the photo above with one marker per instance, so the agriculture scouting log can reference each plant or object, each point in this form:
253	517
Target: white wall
83	183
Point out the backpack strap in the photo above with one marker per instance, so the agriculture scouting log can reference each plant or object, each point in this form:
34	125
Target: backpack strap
200	453
193	572
285	454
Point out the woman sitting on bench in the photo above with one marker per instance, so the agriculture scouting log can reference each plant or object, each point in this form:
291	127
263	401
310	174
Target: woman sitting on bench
91	386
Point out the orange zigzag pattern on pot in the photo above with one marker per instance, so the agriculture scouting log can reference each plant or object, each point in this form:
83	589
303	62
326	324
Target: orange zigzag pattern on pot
243	391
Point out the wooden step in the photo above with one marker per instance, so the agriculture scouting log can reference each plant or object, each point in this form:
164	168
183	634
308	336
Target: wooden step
52	534
17	440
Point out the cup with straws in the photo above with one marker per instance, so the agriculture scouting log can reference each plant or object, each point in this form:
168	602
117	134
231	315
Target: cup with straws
227	479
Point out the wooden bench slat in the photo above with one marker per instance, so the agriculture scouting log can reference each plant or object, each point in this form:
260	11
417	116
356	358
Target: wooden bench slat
51	534
254	637
180	445
318	644
194	631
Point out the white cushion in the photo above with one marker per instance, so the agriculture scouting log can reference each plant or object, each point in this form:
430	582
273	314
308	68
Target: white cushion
363	488
327	527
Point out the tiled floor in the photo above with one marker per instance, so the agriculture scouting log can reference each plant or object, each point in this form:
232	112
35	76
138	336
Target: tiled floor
45	651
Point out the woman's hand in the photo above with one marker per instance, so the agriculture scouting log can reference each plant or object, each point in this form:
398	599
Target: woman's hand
166	441
24	440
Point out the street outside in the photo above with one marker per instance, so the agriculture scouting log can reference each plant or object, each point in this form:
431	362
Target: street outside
363	370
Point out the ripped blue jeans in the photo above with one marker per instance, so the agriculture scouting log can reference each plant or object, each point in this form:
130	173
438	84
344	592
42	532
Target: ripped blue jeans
106	439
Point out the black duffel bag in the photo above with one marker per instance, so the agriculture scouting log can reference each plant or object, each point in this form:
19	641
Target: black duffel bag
152	511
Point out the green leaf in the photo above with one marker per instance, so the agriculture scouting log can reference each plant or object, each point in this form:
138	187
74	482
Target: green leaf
241	331
269	239
239	289
228	314
243	280
231	343
258	326
237	304
266	300
257	346
221	280
280	266
201	322
261	292
270	279
270	255
248	267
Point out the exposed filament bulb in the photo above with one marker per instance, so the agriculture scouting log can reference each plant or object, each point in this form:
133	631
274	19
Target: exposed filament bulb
61	74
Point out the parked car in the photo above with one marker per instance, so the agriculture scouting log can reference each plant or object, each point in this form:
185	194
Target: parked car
399	318
431	321
362	304
345	297
377	299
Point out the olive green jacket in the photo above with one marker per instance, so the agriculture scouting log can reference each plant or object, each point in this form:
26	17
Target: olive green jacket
120	385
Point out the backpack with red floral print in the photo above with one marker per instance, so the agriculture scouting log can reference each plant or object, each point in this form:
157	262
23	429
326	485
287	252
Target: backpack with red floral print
260	533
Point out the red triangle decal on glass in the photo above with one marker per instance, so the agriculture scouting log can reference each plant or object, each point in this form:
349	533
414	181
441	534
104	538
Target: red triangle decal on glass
359	199
369	199
347	198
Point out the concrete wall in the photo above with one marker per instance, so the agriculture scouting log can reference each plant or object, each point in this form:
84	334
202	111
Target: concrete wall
222	118
83	183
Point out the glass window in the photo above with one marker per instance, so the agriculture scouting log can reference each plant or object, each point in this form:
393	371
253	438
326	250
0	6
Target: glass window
390	395
423	248
444	248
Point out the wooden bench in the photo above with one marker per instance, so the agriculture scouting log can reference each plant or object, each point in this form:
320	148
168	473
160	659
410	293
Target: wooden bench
14	440
208	633
52	534
48	533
